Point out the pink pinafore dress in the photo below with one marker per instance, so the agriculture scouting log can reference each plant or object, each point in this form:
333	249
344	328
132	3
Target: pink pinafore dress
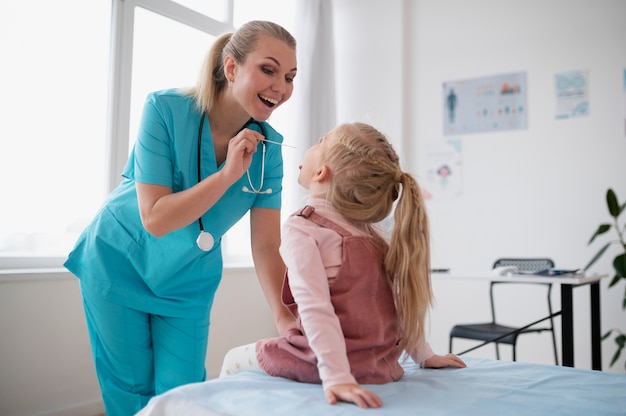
364	304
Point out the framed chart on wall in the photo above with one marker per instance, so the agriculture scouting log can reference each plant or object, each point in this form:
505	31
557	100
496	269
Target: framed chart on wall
492	103
572	94
441	173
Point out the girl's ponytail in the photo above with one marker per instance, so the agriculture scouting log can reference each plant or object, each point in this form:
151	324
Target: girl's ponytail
408	262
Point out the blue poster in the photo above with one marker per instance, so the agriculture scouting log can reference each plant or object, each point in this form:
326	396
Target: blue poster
571	89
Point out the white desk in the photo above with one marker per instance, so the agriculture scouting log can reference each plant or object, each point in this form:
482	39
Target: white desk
567	283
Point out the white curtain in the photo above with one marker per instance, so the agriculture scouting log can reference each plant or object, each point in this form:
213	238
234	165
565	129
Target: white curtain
314	93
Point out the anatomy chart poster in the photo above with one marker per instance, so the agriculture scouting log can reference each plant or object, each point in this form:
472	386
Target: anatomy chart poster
442	169
571	90
493	103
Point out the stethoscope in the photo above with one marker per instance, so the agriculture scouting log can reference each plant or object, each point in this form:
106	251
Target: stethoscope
205	240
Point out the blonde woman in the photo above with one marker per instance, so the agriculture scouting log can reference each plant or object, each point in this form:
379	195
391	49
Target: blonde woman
150	262
360	300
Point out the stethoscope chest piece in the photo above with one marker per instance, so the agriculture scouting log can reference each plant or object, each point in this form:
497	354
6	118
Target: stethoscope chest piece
205	241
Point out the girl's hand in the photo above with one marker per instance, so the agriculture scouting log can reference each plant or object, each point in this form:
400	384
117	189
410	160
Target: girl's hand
440	361
240	151
352	393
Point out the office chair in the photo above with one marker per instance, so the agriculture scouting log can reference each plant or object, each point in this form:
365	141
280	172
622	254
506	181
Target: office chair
488	331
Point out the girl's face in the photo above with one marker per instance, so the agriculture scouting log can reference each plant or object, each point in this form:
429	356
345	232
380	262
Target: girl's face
313	169
265	79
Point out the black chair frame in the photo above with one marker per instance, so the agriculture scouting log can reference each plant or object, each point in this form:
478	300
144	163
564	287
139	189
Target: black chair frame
494	332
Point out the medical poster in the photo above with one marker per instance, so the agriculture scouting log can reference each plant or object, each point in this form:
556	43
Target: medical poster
486	104
442	169
571	90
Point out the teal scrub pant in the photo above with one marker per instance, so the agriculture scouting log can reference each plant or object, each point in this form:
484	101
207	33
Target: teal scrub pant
138	355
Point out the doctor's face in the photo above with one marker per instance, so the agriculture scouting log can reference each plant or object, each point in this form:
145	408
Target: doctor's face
264	81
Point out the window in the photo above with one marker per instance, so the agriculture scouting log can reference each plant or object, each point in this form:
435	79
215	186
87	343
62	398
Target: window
54	82
63	100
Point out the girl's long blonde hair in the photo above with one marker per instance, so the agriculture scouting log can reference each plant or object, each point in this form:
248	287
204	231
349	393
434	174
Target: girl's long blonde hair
211	79
366	181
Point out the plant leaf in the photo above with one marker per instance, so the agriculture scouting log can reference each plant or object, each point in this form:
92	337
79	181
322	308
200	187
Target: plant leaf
614	281
619	264
608	333
611	202
615	357
603	228
597	256
620	340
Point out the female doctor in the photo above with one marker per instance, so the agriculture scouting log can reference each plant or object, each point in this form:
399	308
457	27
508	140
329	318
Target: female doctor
150	262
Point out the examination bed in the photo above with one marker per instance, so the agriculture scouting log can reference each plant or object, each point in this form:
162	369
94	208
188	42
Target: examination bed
485	387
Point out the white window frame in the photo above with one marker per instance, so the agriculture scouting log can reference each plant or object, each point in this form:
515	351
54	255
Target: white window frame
119	102
122	29
118	124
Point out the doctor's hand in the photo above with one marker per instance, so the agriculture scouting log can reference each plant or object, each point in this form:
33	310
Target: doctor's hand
352	393
239	154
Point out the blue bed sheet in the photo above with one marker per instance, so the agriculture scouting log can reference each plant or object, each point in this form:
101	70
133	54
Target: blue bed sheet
485	387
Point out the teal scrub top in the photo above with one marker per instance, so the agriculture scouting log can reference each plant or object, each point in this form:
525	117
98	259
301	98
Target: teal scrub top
169	275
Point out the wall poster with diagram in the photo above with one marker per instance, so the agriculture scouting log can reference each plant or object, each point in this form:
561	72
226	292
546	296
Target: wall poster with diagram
572	94
493	103
441	175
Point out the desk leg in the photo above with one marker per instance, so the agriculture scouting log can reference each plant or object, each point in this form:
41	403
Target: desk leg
567	326
596	341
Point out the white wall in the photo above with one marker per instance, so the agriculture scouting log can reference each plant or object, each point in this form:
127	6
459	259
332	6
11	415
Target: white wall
369	66
552	205
533	192
45	360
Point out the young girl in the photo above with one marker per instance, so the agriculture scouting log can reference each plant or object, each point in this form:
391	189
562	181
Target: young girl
360	301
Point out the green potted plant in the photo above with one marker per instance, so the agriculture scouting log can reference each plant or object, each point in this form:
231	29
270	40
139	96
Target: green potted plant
619	263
